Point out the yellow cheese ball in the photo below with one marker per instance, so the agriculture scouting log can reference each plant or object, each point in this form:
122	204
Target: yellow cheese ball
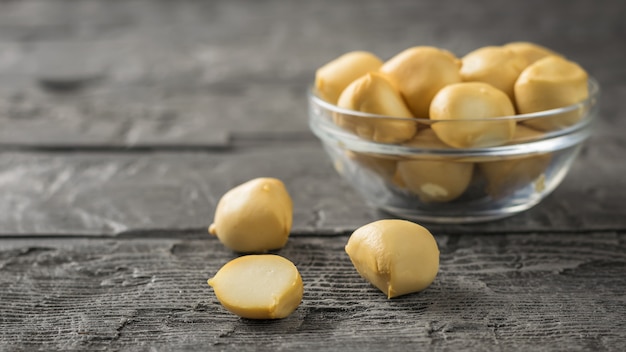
470	101
506	176
495	65
434	181
396	256
332	78
374	94
254	217
531	51
526	134
550	83
383	166
419	73
426	138
262	286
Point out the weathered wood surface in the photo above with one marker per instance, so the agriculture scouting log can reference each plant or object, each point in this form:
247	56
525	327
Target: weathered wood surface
123	122
153	73
501	293
108	194
210	77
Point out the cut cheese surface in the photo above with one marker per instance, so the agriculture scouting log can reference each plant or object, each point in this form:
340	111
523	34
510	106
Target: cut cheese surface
262	286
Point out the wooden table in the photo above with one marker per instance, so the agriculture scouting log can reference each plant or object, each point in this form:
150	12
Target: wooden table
123	122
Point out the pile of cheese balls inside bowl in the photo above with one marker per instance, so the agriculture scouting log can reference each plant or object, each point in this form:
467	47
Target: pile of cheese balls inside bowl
430	136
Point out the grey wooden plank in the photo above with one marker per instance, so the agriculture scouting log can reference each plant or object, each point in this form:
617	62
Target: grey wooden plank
116	193
111	73
211	94
105	193
542	292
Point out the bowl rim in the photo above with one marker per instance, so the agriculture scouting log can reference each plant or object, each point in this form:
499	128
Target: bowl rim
594	92
551	141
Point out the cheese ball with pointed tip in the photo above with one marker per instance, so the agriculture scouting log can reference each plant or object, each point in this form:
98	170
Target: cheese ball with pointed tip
477	102
332	78
531	51
495	65
419	73
550	83
262	286
434	181
397	256
255	216
374	94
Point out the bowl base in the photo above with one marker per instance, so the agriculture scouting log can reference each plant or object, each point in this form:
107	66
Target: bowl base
457	217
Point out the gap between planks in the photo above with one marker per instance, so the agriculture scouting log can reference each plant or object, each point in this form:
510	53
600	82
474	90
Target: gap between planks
232	142
201	233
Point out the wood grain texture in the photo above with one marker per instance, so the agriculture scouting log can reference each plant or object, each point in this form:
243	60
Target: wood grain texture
117	193
113	193
511	292
205	79
123	122
152	73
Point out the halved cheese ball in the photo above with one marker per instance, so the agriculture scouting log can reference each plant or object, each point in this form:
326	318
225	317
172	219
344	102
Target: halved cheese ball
495	65
475	101
374	94
419	73
531	51
254	217
550	83
332	78
434	181
396	256
262	286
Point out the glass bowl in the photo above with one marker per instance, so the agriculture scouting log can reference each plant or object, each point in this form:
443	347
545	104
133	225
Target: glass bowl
401	165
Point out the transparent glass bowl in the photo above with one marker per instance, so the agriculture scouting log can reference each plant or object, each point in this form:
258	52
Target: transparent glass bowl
401	166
